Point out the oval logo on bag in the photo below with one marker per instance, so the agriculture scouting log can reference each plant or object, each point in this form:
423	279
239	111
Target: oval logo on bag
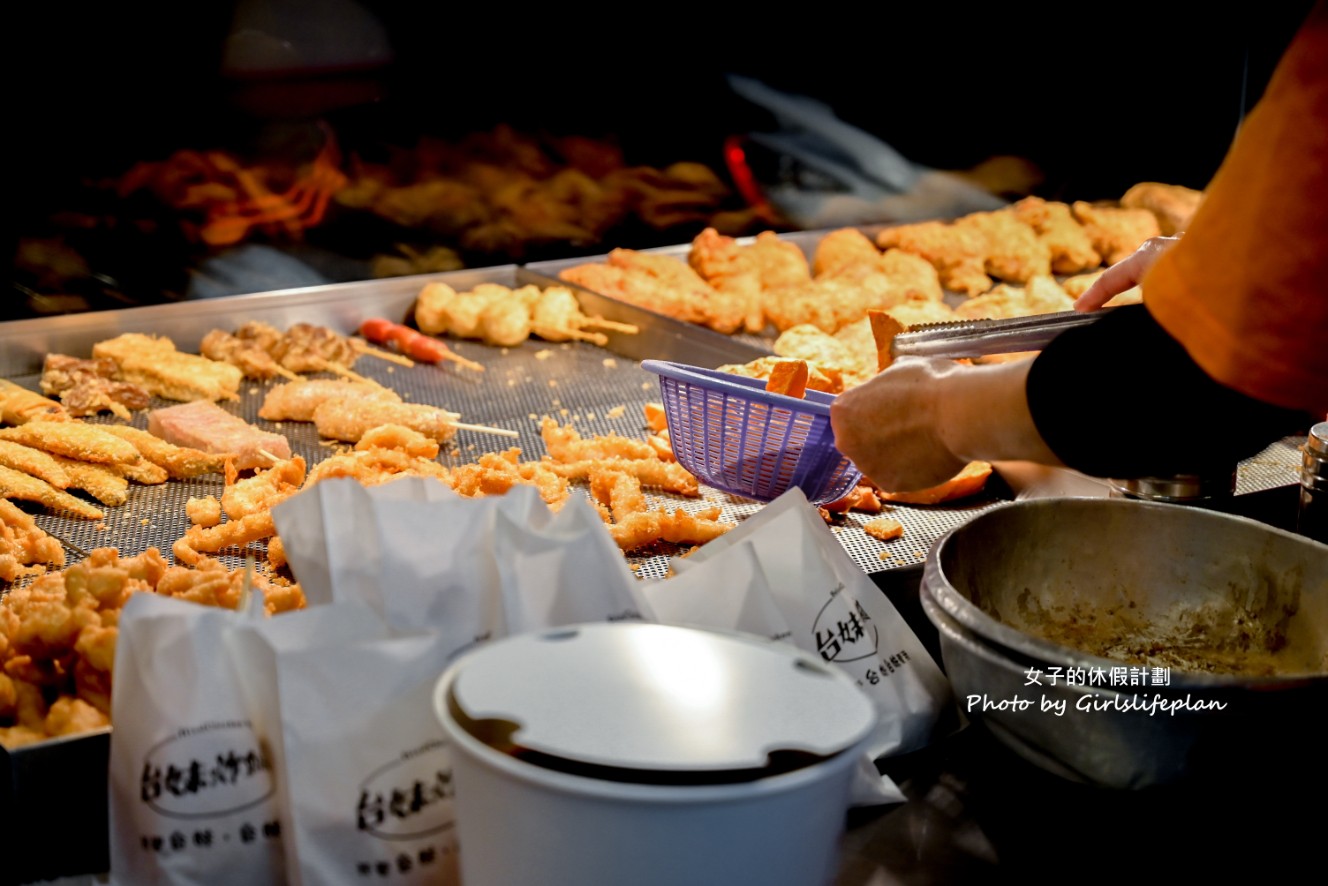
844	631
207	771
409	797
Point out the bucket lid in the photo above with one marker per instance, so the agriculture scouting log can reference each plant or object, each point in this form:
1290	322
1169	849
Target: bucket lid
655	704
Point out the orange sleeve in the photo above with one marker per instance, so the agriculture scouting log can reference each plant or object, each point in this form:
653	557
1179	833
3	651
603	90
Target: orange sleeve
1245	291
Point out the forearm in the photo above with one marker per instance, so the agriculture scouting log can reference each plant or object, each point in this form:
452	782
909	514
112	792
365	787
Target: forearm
983	415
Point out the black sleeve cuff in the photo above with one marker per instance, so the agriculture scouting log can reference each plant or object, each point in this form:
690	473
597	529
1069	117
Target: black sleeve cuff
1121	398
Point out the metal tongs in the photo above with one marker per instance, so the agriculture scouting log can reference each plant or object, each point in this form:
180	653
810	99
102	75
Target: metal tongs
980	338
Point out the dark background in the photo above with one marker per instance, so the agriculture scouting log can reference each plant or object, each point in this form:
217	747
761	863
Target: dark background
1097	97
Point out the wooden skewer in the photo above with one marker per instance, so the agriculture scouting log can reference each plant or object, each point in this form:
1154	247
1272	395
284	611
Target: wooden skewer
339	369
274	459
457	358
596	338
611	324
369	350
485	429
286	373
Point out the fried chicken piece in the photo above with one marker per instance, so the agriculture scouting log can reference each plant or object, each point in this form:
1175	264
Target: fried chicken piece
1116	232
730	269
87	387
350	419
14	484
1172	205
1071	248
246	354
154	364
496	473
205	511
179	462
912	278
665	282
401	438
297	400
24	544
806	342
958	253
431	306
1042	295
18	405
1014	252
841	249
883	528
652	472
264	489
70	716
39	464
371	467
779	263
917	312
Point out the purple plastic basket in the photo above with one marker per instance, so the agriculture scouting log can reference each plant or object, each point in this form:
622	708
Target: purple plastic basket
738	437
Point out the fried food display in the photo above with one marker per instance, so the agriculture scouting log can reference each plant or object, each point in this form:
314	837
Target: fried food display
58	633
25	548
505	317
1012	251
959	254
1042	295
87	387
206	427
297	400
662	284
730	269
73	439
1116	231
1070	246
1172	205
153	363
824	378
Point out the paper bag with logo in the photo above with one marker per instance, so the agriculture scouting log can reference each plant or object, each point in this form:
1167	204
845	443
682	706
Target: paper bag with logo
192	791
730	592
835	611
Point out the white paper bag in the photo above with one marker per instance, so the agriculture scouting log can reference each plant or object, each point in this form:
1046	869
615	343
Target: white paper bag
192	789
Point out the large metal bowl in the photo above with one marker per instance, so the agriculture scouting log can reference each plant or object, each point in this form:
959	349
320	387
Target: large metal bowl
1223	620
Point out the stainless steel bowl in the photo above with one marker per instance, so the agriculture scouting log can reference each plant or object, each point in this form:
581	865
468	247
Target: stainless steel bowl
1231	612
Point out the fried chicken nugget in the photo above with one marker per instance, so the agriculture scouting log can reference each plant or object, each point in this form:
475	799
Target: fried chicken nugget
431	305
677	527
1116	232
180	462
14	484
1071	248
779	263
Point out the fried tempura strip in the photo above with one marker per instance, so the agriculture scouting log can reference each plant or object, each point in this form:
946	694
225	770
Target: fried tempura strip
618	491
14	484
33	461
73	439
264	489
665	475
235	533
19	406
102	482
180	462
144	472
679	527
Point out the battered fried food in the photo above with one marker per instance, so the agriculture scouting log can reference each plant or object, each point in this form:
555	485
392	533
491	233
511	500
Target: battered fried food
371	467
18	405
809	343
73	439
557	316
401	438
1116	232
1071	248
39	464
1172	205
779	263
263	490
350	419
297	400
662	284
496	473
205	511
179	462
828	379
102	482
1013	250
27	488
154	364
958	253
24	546
564	443
841	249
969	481
883	528
143	472
431	305
1043	295
652	472
87	387
730	269
920	312
641	529
505	321
246	354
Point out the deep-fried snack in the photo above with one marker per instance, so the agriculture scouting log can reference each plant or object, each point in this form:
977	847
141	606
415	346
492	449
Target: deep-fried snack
806	342
652	472
841	249
430	306
73	439
828	379
564	443
884	328
154	364
401	438
656	418
36	462
297	400
958	253
619	492
24	545
918	312
246	354
102	482
496	473
1173	205
1013	252
730	269
788	377
883	528
263	490
179	462
199	540
143	472
1042	295
87	387
779	263
205	511
349	419
371	467
968	481
663	284
1116	232
505	321
1071	248
305	347
643	528
205	426
18	405
860	498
